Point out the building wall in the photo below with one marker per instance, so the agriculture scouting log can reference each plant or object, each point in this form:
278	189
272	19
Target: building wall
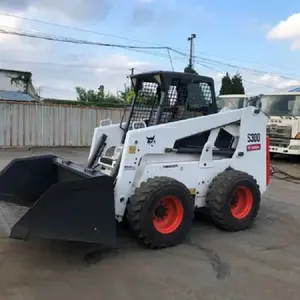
37	125
6	85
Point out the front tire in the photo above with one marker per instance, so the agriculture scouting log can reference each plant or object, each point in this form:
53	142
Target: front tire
160	212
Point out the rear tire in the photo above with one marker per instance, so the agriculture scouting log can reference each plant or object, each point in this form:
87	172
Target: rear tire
160	212
233	200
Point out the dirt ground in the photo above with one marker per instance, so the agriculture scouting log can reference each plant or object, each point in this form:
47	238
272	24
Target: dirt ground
260	263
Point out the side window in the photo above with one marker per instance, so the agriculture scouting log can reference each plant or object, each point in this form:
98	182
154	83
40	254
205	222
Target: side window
296	108
291	104
198	94
172	96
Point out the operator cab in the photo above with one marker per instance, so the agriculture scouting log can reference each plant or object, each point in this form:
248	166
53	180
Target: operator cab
164	96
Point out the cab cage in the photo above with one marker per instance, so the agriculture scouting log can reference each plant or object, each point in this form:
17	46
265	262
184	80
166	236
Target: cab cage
165	96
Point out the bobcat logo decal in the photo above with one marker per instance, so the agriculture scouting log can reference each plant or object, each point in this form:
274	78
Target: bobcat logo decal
151	140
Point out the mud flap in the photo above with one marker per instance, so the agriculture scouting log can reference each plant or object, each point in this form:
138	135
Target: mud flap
64	201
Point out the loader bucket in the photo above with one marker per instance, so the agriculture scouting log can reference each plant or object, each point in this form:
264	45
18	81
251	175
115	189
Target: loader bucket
57	199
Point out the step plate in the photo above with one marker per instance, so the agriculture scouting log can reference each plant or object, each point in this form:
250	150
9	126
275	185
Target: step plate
10	214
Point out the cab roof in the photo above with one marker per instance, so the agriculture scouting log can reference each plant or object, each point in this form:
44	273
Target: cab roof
149	76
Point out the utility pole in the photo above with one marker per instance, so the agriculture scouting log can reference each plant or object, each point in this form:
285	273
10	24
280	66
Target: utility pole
191	40
131	73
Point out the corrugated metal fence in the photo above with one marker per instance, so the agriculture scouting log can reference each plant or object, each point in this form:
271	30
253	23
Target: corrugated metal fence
37	125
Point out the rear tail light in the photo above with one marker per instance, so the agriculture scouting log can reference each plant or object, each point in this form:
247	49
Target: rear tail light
268	161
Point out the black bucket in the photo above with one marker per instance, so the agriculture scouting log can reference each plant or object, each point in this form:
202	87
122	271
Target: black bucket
64	201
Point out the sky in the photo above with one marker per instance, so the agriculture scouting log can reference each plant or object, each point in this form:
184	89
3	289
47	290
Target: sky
260	39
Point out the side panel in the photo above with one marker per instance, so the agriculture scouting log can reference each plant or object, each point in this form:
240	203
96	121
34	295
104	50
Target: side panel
177	171
252	143
195	177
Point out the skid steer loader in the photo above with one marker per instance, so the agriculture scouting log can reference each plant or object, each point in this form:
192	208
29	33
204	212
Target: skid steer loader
172	153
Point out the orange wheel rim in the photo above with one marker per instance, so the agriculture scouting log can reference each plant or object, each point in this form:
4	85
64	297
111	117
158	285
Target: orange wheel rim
168	215
241	203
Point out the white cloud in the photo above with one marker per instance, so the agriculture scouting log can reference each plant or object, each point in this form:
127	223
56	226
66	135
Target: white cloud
79	10
96	66
7	22
288	29
278	82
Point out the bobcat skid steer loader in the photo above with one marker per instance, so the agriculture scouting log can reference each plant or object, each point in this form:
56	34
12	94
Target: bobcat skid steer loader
171	153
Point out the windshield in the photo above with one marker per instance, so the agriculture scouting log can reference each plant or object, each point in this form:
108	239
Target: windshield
232	103
281	105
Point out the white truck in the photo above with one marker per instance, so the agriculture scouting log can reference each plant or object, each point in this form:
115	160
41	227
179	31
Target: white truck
283	127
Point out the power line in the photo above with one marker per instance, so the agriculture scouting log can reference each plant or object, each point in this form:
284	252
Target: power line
48	37
132	47
74	41
244	68
248	81
115	36
97	67
170	58
77	29
129	47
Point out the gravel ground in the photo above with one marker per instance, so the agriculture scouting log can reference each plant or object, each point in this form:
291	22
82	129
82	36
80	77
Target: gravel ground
260	263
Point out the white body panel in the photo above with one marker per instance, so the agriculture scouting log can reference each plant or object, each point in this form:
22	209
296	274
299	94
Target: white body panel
114	135
195	171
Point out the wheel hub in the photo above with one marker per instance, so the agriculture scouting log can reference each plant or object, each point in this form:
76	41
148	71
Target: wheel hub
160	212
241	203
168	215
234	201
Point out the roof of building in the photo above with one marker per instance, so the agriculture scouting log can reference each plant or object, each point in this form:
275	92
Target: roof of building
16	71
295	89
14	96
292	90
289	89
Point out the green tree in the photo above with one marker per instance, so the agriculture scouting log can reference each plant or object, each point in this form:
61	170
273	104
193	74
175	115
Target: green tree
232	85
127	95
189	69
237	84
96	97
84	95
226	87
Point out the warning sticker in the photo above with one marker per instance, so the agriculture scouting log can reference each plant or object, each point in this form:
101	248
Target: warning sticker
253	147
